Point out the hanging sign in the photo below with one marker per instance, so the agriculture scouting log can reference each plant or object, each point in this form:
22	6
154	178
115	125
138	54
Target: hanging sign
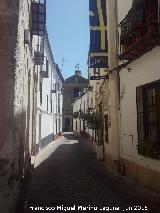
98	53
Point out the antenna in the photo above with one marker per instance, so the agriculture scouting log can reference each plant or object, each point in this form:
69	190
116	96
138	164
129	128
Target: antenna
63	61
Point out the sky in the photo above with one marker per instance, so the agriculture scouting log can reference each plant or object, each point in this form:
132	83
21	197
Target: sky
68	29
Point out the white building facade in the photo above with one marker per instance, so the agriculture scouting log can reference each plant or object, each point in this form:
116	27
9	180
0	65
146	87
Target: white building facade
49	99
129	100
19	38
140	93
82	106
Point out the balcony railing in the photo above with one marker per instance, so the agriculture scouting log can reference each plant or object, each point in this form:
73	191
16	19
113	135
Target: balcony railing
44	69
140	29
39	55
38	17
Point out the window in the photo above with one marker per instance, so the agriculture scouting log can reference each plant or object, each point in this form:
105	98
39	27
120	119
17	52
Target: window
41	92
56	125
47	66
101	126
148	119
106	128
54	87
51	105
58	103
47	102
59	121
76	125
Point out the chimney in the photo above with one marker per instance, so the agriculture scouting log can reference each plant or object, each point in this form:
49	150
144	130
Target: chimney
78	72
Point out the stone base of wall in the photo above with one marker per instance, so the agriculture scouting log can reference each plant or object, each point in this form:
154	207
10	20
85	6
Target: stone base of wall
47	140
58	135
114	165
22	194
141	175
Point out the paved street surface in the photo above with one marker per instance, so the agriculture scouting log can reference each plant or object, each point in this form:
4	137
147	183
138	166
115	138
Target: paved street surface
67	175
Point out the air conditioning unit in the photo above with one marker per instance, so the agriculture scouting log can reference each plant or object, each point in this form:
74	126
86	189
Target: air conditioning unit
27	37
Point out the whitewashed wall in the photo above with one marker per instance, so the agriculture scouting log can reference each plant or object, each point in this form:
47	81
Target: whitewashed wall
143	70
46	117
82	103
17	104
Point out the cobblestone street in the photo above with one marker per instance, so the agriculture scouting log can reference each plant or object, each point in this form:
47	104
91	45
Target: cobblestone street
67	174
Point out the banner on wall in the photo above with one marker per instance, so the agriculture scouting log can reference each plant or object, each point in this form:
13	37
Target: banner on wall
98	51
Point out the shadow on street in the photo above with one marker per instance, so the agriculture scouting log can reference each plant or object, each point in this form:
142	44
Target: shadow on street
71	175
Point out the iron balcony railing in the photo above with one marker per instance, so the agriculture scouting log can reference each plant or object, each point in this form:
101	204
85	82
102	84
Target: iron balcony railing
38	17
38	9
140	29
44	69
39	55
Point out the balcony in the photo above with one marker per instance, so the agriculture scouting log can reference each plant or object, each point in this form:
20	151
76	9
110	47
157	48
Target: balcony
38	17
39	55
44	70
140	29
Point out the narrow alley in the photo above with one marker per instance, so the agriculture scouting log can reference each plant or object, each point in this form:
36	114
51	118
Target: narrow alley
67	175
79	106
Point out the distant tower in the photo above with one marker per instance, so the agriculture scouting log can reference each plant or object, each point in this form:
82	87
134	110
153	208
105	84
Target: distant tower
72	87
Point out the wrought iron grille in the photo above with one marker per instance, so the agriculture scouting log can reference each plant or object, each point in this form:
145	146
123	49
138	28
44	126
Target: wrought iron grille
38	17
141	23
148	119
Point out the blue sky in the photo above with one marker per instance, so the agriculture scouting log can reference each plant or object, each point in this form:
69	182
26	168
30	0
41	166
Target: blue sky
68	29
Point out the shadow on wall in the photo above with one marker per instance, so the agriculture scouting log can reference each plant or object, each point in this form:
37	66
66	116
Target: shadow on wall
14	109
15	163
46	140
15	156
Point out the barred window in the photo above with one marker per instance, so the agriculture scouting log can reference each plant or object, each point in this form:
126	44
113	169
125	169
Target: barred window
106	128
41	92
148	119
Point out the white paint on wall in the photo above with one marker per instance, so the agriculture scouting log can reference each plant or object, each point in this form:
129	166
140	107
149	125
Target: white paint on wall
51	106
145	69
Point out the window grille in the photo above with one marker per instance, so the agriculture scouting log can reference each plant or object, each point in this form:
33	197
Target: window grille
148	119
47	102
41	92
